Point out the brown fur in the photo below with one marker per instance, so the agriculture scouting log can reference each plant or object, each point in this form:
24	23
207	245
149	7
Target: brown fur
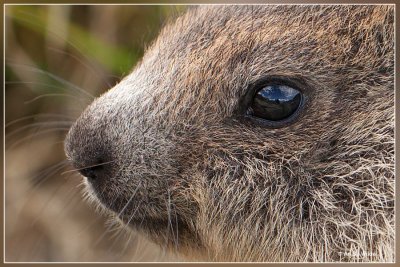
184	166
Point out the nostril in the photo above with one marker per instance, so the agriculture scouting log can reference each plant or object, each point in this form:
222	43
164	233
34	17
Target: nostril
92	172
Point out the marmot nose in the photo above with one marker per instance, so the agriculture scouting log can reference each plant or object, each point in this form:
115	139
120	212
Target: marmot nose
88	151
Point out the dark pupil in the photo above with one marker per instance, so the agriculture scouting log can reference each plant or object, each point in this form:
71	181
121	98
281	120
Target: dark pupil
275	102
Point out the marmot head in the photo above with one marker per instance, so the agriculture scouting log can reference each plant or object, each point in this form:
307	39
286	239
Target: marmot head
253	133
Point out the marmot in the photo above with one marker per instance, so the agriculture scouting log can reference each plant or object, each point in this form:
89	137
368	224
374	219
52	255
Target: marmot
253	133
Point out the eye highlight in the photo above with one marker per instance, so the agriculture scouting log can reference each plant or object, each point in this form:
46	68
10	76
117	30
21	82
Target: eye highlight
275	102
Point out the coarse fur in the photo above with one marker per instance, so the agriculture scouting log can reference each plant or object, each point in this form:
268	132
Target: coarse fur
180	162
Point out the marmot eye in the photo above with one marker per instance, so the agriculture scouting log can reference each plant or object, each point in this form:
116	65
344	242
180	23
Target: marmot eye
275	102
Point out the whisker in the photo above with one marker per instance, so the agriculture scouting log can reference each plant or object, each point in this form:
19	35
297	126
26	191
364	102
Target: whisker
169	218
87	167
24	139
29	193
48	172
41	84
107	231
170	226
33	69
130	199
54	95
126	225
123	229
177	230
109	227
87	66
48	202
128	241
45	115
36	124
141	222
72	191
34	18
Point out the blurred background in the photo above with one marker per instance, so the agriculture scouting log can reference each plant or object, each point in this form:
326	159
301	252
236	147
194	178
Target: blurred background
57	59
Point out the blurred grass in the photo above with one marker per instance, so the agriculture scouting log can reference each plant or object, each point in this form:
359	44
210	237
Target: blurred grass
57	58
115	58
58	48
34	24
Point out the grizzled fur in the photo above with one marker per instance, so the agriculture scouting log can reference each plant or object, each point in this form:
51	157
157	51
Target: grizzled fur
180	162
